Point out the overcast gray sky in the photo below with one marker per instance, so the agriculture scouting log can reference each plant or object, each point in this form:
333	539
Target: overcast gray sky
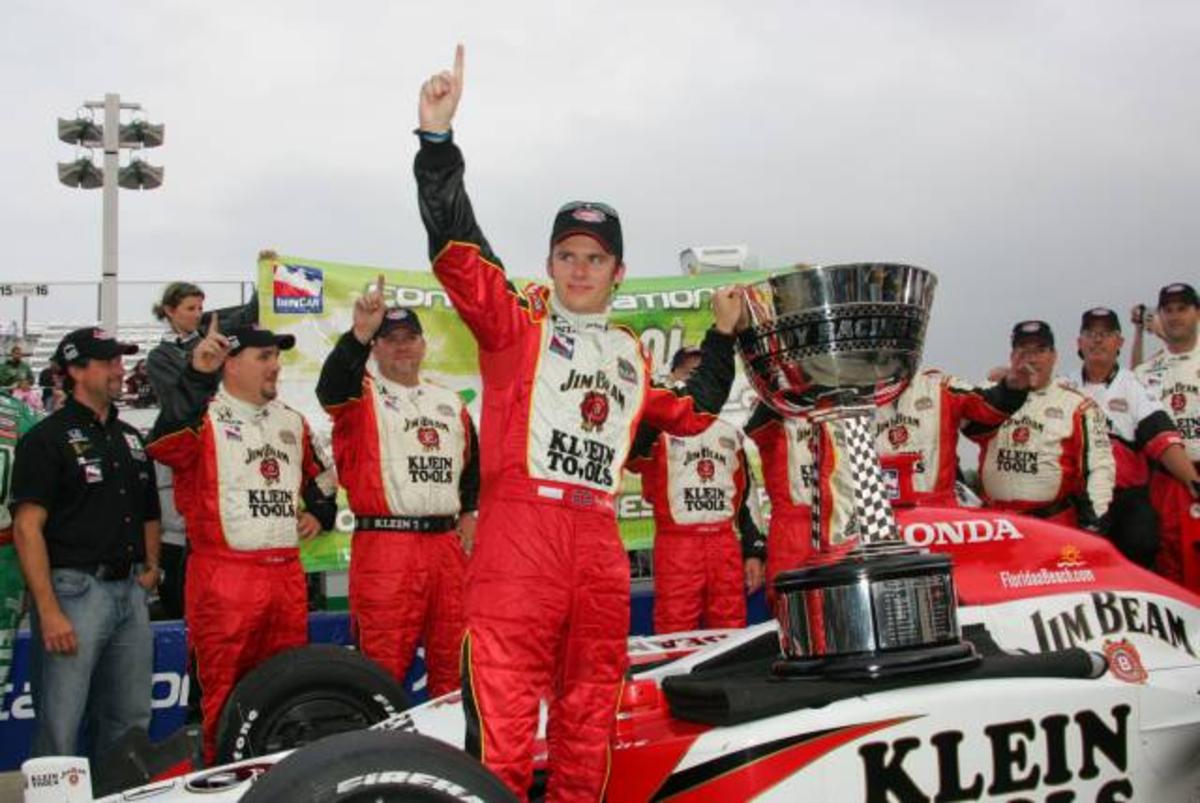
1041	157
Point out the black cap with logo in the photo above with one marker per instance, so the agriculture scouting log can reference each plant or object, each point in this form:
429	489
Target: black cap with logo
1100	316
90	343
1039	331
596	220
396	317
243	337
1178	291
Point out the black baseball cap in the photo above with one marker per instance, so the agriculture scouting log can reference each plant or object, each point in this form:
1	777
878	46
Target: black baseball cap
1179	291
596	220
89	343
685	353
1033	330
395	317
242	337
1100	316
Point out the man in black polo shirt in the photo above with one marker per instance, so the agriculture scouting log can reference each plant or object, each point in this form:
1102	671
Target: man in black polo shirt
86	527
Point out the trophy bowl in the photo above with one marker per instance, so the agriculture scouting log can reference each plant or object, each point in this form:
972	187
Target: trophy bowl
831	343
836	334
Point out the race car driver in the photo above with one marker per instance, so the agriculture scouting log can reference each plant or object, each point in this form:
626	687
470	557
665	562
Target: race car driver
1139	429
702	491
407	455
243	462
1173	376
1051	459
547	606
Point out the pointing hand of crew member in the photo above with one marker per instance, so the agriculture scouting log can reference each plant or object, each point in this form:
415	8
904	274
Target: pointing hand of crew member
210	353
440	95
369	310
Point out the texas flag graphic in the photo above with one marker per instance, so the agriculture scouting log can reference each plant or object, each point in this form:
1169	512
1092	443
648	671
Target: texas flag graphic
298	289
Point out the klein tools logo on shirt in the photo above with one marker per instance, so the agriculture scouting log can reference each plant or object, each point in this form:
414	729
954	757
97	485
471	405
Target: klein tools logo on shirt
428	438
706	469
594	409
298	289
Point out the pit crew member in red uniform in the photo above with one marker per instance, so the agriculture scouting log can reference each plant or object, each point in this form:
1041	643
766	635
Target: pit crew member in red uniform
243	462
1173	376
407	455
702	492
1051	459
926	418
1140	431
547	605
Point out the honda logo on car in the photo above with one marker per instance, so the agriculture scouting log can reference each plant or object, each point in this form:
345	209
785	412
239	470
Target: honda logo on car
1022	755
1110	614
968	531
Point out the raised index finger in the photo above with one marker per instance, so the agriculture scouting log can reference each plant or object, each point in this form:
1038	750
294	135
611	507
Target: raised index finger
379	285
214	328
458	64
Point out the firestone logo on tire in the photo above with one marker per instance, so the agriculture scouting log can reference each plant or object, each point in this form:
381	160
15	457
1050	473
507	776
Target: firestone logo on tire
423	780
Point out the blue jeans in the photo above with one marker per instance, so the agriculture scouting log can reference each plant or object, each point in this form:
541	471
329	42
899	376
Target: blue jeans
107	679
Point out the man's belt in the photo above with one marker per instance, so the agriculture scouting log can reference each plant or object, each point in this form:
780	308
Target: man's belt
1046	511
407	524
105	572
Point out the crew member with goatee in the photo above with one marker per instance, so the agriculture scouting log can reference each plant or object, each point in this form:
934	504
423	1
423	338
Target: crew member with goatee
547	608
244	463
1051	458
407	455
708	550
1173	376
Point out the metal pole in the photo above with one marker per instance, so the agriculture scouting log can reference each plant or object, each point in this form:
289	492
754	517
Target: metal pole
24	318
108	264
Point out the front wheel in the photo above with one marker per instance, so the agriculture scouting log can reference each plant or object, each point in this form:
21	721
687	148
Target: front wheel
379	767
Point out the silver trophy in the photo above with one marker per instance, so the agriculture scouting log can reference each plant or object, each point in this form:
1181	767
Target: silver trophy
830	343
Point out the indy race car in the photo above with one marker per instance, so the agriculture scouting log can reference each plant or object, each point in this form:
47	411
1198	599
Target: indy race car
1086	690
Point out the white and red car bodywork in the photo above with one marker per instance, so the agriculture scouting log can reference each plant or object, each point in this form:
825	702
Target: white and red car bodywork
1131	734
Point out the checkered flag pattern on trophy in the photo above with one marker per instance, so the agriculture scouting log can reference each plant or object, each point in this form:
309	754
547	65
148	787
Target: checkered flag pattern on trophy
873	518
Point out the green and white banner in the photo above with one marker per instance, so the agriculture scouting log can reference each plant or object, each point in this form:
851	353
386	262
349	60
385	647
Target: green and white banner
313	300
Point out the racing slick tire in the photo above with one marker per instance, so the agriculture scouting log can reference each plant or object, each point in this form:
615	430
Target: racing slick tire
302	695
378	766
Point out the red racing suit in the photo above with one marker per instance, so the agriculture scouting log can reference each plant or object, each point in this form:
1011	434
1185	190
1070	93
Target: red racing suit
701	489
926	419
547	606
1175	380
408	458
1050	459
790	476
241	472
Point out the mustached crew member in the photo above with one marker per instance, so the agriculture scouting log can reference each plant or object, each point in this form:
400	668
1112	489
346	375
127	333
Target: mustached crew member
249	485
1051	458
547	605
408	457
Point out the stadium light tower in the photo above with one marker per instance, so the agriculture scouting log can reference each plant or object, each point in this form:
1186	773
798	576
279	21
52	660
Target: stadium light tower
82	173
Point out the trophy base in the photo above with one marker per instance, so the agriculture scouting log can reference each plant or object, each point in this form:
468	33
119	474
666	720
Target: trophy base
878	611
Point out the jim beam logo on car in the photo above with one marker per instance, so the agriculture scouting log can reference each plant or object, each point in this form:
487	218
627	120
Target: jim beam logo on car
1058	753
1109	614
